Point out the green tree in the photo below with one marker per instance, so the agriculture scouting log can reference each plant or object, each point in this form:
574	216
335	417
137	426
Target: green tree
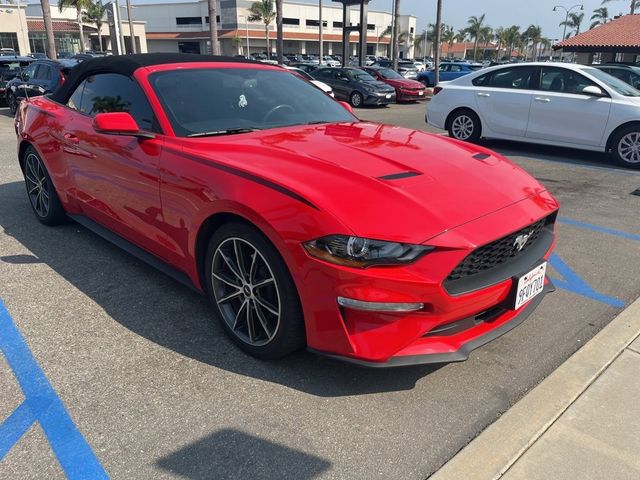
95	14
486	35
532	36
573	23
474	30
262	11
512	38
80	6
448	37
600	17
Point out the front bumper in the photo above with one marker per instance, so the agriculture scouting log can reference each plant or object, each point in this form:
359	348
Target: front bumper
410	96
462	353
379	99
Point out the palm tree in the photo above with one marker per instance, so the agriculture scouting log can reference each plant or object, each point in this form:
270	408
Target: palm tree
262	11
498	35
448	37
396	37
79	5
475	30
213	27
573	23
635	5
600	17
532	36
95	14
512	38
48	28
486	35
280	34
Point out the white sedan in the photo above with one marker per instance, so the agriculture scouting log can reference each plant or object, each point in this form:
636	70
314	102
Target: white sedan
561	104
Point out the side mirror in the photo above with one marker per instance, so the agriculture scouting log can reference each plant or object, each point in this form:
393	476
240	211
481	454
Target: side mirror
346	106
593	91
118	123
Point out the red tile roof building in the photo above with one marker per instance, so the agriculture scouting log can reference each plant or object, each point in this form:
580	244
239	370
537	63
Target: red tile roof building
619	35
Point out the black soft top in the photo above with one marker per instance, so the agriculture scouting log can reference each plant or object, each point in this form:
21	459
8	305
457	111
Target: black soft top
127	64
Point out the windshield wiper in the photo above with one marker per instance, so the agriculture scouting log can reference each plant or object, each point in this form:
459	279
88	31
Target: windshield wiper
228	131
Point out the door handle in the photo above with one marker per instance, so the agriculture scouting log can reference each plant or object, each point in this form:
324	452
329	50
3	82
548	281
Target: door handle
71	138
483	94
542	99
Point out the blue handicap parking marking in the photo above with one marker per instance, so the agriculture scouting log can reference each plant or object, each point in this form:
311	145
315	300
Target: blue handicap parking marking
572	282
42	405
597	228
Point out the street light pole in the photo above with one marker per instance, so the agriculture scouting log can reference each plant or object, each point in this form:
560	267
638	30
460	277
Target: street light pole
131	35
566	19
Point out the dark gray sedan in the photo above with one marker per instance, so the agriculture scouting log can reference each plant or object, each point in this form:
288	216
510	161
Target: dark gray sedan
356	86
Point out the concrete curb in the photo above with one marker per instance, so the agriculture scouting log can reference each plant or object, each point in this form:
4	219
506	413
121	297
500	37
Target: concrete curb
498	447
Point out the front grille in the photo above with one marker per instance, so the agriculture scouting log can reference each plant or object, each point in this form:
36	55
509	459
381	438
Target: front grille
502	258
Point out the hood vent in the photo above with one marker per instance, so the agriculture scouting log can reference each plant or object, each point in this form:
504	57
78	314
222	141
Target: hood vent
398	176
481	156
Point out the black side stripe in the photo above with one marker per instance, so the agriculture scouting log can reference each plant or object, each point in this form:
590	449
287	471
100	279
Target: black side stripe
397	176
249	176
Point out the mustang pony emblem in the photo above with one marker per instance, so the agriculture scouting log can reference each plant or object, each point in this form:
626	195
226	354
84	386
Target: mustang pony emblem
521	241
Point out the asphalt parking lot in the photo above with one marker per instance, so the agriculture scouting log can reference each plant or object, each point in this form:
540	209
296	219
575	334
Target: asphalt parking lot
131	378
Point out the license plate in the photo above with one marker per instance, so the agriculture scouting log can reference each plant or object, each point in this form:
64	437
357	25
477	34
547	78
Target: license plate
530	285
388	95
420	93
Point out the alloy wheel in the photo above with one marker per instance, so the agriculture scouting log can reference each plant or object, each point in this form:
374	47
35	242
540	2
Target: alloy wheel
37	185
462	127
356	99
246	291
629	147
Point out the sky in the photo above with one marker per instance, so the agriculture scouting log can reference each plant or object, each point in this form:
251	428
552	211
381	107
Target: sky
498	12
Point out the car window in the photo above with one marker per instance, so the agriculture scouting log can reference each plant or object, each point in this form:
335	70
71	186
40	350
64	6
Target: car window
635	80
624	75
359	76
389	74
555	79
444	68
324	73
513	78
29	72
111	92
75	101
455	68
241	98
613	83
43	73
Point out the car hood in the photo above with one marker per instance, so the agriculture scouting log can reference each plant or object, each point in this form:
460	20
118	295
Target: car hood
378	85
380	181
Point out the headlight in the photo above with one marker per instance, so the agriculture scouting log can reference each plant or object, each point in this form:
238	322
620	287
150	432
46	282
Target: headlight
363	252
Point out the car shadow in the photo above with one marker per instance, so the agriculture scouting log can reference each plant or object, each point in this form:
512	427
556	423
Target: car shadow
552	154
154	306
231	453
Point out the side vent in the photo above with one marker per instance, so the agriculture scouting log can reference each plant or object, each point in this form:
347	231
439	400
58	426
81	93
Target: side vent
481	156
398	176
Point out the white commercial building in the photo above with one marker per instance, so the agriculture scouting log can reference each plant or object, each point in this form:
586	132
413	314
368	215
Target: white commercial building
183	26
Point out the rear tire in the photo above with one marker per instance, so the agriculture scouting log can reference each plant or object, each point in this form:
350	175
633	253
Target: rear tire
464	125
252	292
625	147
356	99
40	190
12	102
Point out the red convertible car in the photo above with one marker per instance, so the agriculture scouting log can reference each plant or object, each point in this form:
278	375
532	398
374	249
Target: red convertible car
303	225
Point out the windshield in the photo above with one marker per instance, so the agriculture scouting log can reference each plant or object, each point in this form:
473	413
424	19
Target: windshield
9	70
359	76
613	83
217	101
389	74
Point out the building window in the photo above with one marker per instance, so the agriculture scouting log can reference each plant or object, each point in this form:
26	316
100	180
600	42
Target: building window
370	26
65	42
9	40
206	19
315	23
290	21
337	24
411	30
188	21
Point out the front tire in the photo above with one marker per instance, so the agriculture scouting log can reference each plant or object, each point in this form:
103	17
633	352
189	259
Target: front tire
356	99
465	125
252	292
625	147
42	195
12	102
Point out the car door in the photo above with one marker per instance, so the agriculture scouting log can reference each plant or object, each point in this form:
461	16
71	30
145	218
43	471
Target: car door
343	86
115	178
504	98
561	112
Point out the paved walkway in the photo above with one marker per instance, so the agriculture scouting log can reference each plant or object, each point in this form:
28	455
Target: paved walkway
582	422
